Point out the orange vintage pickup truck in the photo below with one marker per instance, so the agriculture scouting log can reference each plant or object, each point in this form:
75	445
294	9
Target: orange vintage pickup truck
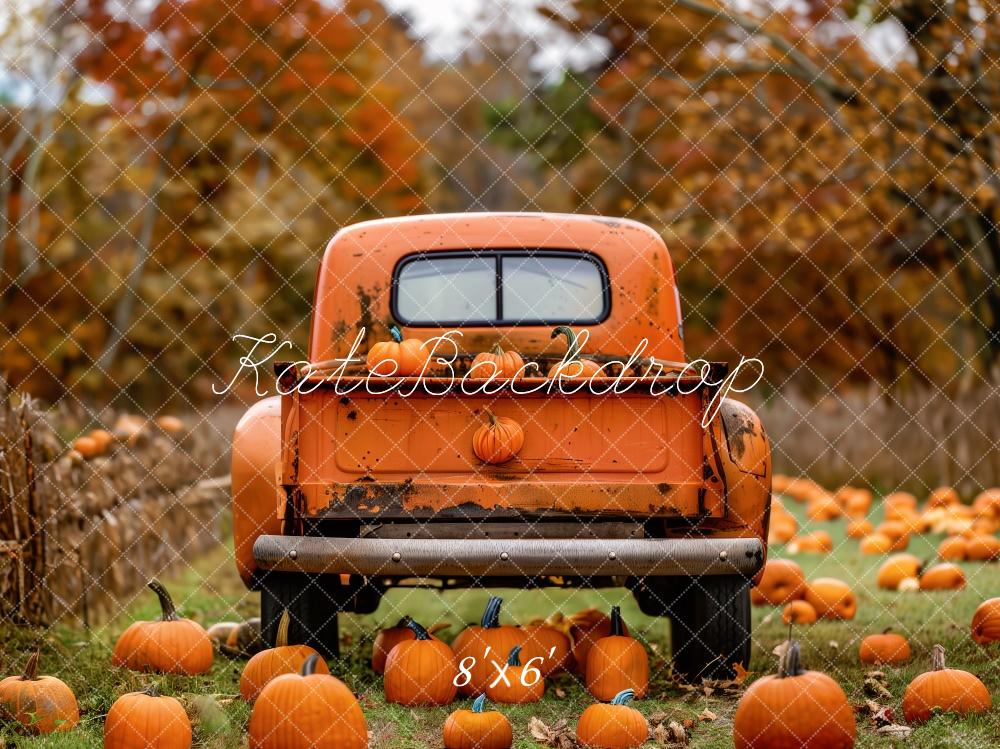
645	478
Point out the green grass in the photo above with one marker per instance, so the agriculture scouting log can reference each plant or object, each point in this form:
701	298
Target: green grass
210	591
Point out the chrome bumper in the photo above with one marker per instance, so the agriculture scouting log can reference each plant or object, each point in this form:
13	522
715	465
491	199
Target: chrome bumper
506	558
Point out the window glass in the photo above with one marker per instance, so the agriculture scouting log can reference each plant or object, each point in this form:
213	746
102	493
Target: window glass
551	289
444	289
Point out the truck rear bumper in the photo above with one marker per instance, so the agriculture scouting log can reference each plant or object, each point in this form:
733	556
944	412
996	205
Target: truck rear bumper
631	557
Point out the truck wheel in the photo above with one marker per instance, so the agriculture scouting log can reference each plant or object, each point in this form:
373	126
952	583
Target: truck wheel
312	601
710	626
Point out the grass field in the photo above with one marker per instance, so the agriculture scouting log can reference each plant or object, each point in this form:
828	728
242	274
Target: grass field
210	591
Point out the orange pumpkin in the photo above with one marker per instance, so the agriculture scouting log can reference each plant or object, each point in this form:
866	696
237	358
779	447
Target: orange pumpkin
859	528
516	684
273	662
817	542
572	367
794	708
481	648
499	440
103	438
823	508
799	612
617	662
982	548
398	357
41	704
887	647
170	424
897	532
897	568
782	529
421	671
612	726
145	719
477	729
586	628
386	640
548	640
899	499
947	689
307	710
857	503
952	549
943	496
986	622
876	544
87	447
171	645
503	365
782	581
832	598
944	576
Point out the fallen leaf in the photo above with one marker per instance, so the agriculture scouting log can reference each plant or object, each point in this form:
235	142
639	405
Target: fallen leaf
670	734
559	735
560	693
780	648
741	673
707	716
895	730
834	644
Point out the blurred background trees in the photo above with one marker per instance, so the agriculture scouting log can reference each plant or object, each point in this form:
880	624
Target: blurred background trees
825	173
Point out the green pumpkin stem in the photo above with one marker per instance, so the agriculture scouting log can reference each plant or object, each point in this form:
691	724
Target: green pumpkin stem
497	351
514	657
937	658
572	345
491	616
623	697
791	662
309	667
166	602
31	667
281	638
404	621
617	630
491	416
418	630
396	333
150	690
477	704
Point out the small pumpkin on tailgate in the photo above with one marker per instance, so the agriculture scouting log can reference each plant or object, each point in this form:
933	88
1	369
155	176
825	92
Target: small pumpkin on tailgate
144	720
503	365
499	440
307	710
518	684
478	728
794	708
617	662
480	647
273	662
169	645
403	358
421	671
615	725
946	689
572	366
41	704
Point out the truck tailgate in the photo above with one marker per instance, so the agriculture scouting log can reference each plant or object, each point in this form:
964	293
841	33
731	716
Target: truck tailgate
632	453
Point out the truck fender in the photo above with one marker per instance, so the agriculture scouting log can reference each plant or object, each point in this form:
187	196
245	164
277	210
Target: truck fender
254	470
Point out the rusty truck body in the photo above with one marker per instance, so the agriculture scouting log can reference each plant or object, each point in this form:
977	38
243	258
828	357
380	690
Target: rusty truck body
341	491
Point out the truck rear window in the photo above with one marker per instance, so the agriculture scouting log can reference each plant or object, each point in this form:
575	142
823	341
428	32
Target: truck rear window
514	287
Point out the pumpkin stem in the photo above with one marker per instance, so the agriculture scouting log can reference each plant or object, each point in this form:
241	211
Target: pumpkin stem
790	663
309	667
31	667
166	602
150	690
396	333
491	616
419	631
281	639
887	630
937	658
514	657
623	697
403	622
477	704
491	416
616	621
572	346
497	351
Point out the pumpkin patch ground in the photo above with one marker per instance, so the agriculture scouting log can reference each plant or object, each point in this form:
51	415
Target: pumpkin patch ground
210	592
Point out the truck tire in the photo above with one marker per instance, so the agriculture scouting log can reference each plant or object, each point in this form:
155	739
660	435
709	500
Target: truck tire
312	601
710	626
